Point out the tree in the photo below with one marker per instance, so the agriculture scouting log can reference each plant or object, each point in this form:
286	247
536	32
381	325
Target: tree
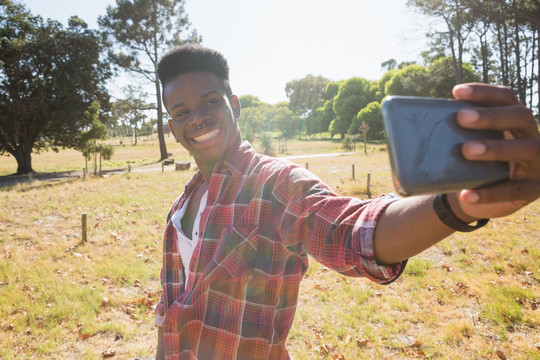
413	80
371	116
247	101
352	96
46	82
144	29
459	23
287	122
442	80
304	93
389	64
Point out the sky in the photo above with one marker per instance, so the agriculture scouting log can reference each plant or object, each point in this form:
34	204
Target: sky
271	42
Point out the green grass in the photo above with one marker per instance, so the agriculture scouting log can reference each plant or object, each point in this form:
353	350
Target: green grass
53	288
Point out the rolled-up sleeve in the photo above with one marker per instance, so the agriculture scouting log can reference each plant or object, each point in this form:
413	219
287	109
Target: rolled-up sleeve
337	231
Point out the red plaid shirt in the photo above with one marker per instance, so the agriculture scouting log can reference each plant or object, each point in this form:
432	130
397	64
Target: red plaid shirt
263	217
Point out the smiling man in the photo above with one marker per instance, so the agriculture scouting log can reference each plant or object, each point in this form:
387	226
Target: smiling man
237	239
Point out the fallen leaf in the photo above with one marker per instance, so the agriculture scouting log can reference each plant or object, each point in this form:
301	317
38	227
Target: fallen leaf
416	343
501	355
448	268
138	283
362	342
524	251
324	349
537	346
128	310
323	288
441	302
338	355
10	327
84	336
108	353
318	333
105	302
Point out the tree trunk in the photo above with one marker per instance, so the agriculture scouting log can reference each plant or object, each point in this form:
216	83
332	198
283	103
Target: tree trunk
23	155
504	75
161	137
162	146
533	64
517	51
538	63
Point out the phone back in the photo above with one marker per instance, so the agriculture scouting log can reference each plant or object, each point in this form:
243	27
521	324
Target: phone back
424	143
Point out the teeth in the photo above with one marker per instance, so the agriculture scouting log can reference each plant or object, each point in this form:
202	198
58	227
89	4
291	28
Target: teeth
205	137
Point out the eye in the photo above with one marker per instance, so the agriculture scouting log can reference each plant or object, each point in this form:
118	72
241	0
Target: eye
213	101
181	114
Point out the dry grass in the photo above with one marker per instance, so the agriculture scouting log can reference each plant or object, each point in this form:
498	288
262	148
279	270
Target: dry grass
474	296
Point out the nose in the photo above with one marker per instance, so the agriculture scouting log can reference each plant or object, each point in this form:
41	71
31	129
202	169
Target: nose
200	116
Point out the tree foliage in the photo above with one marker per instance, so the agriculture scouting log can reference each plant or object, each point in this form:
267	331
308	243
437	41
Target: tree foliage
49	77
139	32
371	115
304	93
501	38
352	96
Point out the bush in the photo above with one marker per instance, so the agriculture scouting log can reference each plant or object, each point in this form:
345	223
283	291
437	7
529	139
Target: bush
348	143
267	145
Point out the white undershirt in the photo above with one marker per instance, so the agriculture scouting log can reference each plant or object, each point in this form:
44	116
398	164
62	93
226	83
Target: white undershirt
186	245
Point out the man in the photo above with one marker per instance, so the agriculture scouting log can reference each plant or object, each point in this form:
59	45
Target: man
237	239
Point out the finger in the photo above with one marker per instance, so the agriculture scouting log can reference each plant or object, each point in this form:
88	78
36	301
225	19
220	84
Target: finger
517	119
490	95
521	150
516	193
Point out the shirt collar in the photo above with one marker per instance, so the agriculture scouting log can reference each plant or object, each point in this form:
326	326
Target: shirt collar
237	162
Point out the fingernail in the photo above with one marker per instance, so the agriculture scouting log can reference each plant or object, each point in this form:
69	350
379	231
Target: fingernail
468	116
476	148
472	197
463	90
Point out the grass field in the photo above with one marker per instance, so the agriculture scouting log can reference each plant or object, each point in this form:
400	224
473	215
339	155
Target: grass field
473	296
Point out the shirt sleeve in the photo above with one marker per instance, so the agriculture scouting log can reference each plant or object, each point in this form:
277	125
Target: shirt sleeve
336	230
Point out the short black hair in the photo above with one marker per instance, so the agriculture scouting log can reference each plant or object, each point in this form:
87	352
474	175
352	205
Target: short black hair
194	58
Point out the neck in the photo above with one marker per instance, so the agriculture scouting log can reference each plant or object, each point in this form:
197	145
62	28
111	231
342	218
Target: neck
207	167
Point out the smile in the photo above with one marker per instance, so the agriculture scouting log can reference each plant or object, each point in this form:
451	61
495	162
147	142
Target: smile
208	136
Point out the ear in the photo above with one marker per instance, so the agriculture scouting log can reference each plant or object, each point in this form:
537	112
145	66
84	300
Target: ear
235	103
171	127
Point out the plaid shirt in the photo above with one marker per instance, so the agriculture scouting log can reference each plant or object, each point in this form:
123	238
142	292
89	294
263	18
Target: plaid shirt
263	217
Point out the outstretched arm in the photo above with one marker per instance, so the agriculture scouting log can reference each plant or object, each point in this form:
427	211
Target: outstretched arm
410	225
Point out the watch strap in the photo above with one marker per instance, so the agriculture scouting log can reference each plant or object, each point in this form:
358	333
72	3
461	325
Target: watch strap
446	215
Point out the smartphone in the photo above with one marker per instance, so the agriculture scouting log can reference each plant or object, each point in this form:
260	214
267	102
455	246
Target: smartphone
424	144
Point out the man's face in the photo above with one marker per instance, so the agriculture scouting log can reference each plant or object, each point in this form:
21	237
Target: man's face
203	117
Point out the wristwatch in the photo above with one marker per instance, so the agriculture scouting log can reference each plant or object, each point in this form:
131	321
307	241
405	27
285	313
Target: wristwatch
444	212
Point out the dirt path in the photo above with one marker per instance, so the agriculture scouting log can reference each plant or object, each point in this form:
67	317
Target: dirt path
57	177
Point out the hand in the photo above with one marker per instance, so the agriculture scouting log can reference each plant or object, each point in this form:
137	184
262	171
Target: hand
521	148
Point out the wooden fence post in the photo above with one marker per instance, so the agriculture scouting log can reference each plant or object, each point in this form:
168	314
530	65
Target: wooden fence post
353	175
83	220
369	185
